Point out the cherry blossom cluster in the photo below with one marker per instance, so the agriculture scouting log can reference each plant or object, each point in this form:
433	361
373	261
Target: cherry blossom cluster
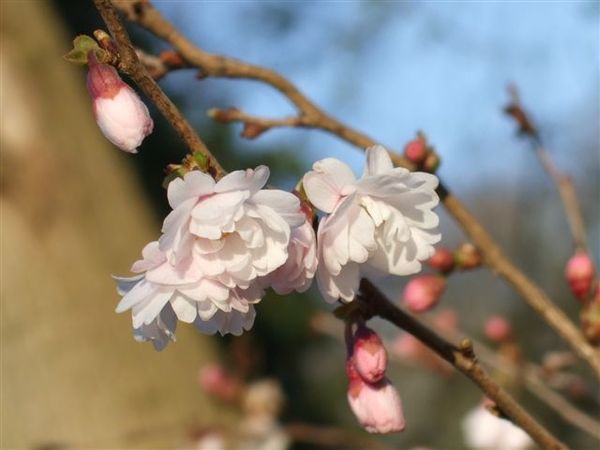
225	242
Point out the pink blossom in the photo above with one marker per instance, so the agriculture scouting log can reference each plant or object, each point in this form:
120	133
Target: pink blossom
423	292
121	115
382	223
497	329
377	407
369	355
580	274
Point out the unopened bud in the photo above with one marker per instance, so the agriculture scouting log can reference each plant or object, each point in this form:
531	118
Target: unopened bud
377	407
214	380
369	355
121	115
442	260
432	162
423	292
467	257
416	150
497	329
580	274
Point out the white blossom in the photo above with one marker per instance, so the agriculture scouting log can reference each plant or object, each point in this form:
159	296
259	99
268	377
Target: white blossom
207	268
380	223
484	431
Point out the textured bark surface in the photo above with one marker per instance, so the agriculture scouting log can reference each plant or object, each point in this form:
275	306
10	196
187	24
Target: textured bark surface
72	215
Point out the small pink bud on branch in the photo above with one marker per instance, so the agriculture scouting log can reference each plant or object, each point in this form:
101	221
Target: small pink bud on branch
121	115
369	355
580	273
423	292
498	329
416	150
442	260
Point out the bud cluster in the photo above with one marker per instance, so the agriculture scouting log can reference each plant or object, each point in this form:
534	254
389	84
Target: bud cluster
373	399
424	291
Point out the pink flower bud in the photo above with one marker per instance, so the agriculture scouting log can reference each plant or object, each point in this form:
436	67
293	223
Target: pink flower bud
214	380
423	292
369	355
442	260
377	407
416	150
580	274
497	329
121	115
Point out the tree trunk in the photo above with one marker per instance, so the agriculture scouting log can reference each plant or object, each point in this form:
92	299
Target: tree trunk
72	374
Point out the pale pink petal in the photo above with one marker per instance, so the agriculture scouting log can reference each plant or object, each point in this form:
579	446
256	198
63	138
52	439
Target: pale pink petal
244	180
194	184
378	161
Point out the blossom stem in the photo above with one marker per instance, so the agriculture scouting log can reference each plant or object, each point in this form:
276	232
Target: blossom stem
462	358
311	116
130	64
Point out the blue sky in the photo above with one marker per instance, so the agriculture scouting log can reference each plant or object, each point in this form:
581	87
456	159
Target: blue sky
391	68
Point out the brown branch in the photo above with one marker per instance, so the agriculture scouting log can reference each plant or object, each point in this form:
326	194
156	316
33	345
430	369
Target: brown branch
529	373
130	64
462	358
562	182
331	327
144	14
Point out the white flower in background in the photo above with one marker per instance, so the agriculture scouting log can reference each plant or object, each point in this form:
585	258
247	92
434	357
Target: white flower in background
299	270
380	223
484	431
121	115
206	269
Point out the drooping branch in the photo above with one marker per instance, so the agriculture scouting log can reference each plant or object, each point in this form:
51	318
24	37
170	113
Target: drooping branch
462	358
311	116
129	63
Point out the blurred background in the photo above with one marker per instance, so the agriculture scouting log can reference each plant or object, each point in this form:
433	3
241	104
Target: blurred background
76	210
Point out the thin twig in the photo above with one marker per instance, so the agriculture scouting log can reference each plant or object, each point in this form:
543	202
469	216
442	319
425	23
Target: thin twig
462	358
130	64
563	183
310	115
